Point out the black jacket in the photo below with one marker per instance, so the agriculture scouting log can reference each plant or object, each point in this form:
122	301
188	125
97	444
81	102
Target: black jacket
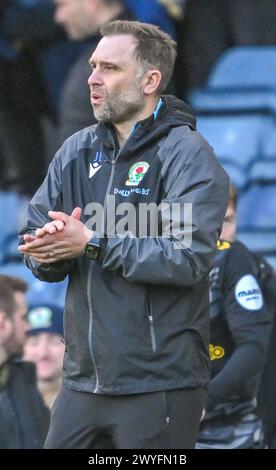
24	419
240	330
136	320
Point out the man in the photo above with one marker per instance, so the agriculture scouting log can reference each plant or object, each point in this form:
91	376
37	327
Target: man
239	338
44	347
136	316
81	20
24	419
267	278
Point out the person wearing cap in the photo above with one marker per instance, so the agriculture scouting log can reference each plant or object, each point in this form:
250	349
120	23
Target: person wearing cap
45	348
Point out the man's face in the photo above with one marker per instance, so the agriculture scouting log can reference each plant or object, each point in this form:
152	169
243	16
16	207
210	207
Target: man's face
229	226
77	17
116	82
46	350
18	335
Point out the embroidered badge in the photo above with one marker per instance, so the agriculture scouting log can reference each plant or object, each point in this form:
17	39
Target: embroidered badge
137	173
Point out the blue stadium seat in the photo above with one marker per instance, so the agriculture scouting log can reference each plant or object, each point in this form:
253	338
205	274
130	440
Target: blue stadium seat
242	80
263	171
258	241
11	207
38	291
44	292
257	208
236	175
18	269
209	101
244	68
271	259
236	139
270	145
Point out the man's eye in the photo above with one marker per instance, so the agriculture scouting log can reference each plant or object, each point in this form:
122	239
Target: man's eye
108	67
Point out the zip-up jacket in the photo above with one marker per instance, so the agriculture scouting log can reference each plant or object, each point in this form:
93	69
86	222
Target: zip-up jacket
240	327
136	319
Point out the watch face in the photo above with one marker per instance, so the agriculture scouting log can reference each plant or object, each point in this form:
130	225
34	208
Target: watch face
92	251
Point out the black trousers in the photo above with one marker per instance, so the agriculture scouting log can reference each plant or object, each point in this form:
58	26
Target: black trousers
158	420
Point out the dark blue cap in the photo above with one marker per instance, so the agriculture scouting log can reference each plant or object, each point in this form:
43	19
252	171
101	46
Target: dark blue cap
45	319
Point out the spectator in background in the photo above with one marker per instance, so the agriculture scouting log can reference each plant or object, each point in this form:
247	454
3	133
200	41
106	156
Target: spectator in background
44	347
35	57
24	419
229	228
23	101
267	277
239	338
82	20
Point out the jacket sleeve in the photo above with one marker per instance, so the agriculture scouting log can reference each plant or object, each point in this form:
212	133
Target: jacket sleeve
48	197
203	184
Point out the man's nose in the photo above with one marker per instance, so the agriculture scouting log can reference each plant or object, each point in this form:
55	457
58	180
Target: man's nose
43	347
95	78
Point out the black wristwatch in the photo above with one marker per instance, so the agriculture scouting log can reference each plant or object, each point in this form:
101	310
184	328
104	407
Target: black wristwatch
92	248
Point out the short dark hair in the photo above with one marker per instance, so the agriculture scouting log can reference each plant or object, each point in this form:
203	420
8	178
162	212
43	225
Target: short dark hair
233	196
14	283
155	48
8	286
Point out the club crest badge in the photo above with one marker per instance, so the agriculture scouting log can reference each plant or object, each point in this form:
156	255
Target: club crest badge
137	173
40	317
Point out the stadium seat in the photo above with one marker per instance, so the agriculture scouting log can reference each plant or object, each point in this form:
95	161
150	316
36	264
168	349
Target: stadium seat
11	207
242	80
258	241
249	67
257	208
271	259
208	101
44	292
263	171
18	269
38	291
270	145
236	139
236	175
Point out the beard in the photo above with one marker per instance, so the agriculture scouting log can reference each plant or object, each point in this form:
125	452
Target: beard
14	348
120	107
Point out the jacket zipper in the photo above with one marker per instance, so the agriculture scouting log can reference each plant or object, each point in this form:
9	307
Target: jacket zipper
152	332
90	329
89	288
166	407
108	191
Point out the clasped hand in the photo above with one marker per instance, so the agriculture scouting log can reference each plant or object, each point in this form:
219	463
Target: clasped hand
64	237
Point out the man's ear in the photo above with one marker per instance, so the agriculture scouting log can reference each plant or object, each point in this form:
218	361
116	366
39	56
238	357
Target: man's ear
152	81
